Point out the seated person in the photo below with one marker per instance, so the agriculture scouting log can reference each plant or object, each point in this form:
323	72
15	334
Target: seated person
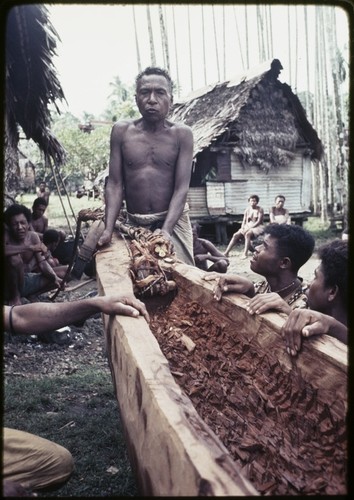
278	214
39	222
204	250
284	250
251	227
24	251
51	239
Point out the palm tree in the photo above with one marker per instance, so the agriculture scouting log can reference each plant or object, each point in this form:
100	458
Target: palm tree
31	86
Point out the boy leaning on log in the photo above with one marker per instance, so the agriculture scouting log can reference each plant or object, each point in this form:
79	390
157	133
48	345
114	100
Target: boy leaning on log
320	307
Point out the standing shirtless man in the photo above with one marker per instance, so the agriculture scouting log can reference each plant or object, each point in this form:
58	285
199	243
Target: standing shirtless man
150	166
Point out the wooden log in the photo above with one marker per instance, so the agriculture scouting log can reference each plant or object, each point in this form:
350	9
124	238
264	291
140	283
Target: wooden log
172	450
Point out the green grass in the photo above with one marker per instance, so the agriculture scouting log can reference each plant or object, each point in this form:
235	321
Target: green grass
79	412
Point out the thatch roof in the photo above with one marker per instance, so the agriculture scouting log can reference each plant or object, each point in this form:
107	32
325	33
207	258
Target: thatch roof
259	115
31	80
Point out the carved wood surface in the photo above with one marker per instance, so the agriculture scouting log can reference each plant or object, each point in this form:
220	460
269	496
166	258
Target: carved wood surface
173	450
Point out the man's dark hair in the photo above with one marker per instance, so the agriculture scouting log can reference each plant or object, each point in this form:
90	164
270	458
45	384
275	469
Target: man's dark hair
255	196
39	201
292	241
334	260
51	236
16	209
154	70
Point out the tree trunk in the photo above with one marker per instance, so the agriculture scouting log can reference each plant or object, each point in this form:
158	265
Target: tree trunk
136	42
164	40
151	37
216	45
204	56
176	53
190	49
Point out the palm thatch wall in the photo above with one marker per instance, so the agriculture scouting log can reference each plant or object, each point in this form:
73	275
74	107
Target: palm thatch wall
31	86
259	116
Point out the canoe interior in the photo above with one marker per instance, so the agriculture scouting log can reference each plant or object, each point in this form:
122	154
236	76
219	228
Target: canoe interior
211	402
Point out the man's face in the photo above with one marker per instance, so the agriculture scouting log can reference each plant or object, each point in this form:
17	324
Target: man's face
38	211
265	260
279	202
317	292
19	227
153	97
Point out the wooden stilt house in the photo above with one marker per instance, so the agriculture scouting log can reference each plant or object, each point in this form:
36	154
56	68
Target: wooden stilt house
251	136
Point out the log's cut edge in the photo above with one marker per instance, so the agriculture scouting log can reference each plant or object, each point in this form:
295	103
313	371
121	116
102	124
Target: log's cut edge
172	450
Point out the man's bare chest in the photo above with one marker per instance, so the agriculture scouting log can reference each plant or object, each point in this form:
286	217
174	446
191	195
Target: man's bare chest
150	150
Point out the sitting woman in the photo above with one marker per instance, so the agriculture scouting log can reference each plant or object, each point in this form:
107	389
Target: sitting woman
251	227
278	214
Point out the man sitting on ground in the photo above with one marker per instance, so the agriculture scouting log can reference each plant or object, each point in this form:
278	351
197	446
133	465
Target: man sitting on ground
24	251
204	250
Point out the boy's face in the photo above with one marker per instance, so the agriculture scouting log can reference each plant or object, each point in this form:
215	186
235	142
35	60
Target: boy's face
317	292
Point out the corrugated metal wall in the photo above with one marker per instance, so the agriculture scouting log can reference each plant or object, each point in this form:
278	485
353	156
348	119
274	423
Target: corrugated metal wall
218	198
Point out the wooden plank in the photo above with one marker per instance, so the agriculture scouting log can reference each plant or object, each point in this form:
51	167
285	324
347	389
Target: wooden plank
172	450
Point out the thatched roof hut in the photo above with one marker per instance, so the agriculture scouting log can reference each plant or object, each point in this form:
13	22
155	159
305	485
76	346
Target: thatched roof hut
256	113
251	136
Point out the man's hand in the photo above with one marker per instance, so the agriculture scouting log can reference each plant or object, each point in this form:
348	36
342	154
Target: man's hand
263	302
305	323
127	305
105	238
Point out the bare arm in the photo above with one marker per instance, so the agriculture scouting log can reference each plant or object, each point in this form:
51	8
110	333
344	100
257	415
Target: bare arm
114	187
271	215
211	252
45	316
230	283
182	179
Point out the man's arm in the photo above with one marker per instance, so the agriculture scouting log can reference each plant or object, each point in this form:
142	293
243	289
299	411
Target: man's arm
44	316
183	171
114	187
271	215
